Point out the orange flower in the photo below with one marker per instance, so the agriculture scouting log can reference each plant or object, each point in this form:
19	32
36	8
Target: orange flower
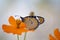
15	27
56	34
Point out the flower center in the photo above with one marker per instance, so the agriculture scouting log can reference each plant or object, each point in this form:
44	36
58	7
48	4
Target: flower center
18	23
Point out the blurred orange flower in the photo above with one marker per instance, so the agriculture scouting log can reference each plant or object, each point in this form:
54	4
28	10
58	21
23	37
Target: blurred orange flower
15	27
56	34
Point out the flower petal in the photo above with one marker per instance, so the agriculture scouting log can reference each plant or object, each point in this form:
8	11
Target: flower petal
12	21
17	31
22	25
51	37
6	28
57	33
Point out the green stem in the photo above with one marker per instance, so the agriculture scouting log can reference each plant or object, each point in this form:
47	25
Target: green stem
17	37
25	35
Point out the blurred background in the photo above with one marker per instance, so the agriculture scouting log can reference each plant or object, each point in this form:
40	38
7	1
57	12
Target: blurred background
49	9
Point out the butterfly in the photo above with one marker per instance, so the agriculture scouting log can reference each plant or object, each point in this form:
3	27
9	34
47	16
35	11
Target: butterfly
32	21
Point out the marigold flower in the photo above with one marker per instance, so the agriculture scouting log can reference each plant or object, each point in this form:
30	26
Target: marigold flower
56	34
15	26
